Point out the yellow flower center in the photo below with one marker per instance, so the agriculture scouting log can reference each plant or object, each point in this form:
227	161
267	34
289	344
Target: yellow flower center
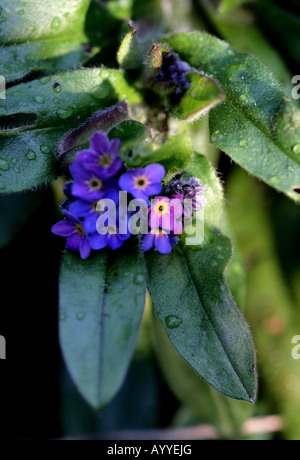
105	161
95	184
157	231
141	182
161	208
79	229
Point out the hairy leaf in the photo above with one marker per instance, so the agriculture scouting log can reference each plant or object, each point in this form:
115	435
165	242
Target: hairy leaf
101	306
256	125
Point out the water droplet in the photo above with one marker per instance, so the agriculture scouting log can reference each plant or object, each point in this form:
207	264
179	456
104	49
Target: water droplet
244	143
173	321
56	23
65	113
101	91
4	165
139	279
57	88
31	155
296	148
39	99
291	169
21	12
80	315
2	186
45	149
62	317
14	161
274	180
243	98
104	73
56	100
45	80
16	169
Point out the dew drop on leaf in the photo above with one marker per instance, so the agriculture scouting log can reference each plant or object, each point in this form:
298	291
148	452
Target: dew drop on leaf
243	98
31	155
39	99
139	279
65	113
172	321
244	143
62	317
57	88
274	180
296	148
45	80
56	23
4	165
45	149
80	315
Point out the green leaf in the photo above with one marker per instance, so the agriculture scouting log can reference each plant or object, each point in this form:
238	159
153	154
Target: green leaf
241	31
128	131
130	54
257	125
35	20
49	109
203	94
28	159
200	317
15	210
175	154
44	36
203	401
68	97
202	169
55	55
101	306
227	5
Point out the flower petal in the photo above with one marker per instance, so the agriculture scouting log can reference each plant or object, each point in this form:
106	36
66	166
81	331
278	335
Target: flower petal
98	241
163	244
100	142
85	248
90	223
154	189
74	241
114	242
155	172
81	208
78	171
63	228
148	242
126	182
87	156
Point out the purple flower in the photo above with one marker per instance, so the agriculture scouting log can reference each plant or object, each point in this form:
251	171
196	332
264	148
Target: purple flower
77	239
142	183
112	238
102	156
161	240
89	186
165	213
86	211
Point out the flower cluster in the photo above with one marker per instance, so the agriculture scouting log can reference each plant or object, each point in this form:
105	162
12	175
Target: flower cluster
174	72
99	176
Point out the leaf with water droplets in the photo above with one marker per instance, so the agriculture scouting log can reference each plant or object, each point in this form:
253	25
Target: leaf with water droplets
102	311
212	335
203	94
257	125
34	43
46	119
